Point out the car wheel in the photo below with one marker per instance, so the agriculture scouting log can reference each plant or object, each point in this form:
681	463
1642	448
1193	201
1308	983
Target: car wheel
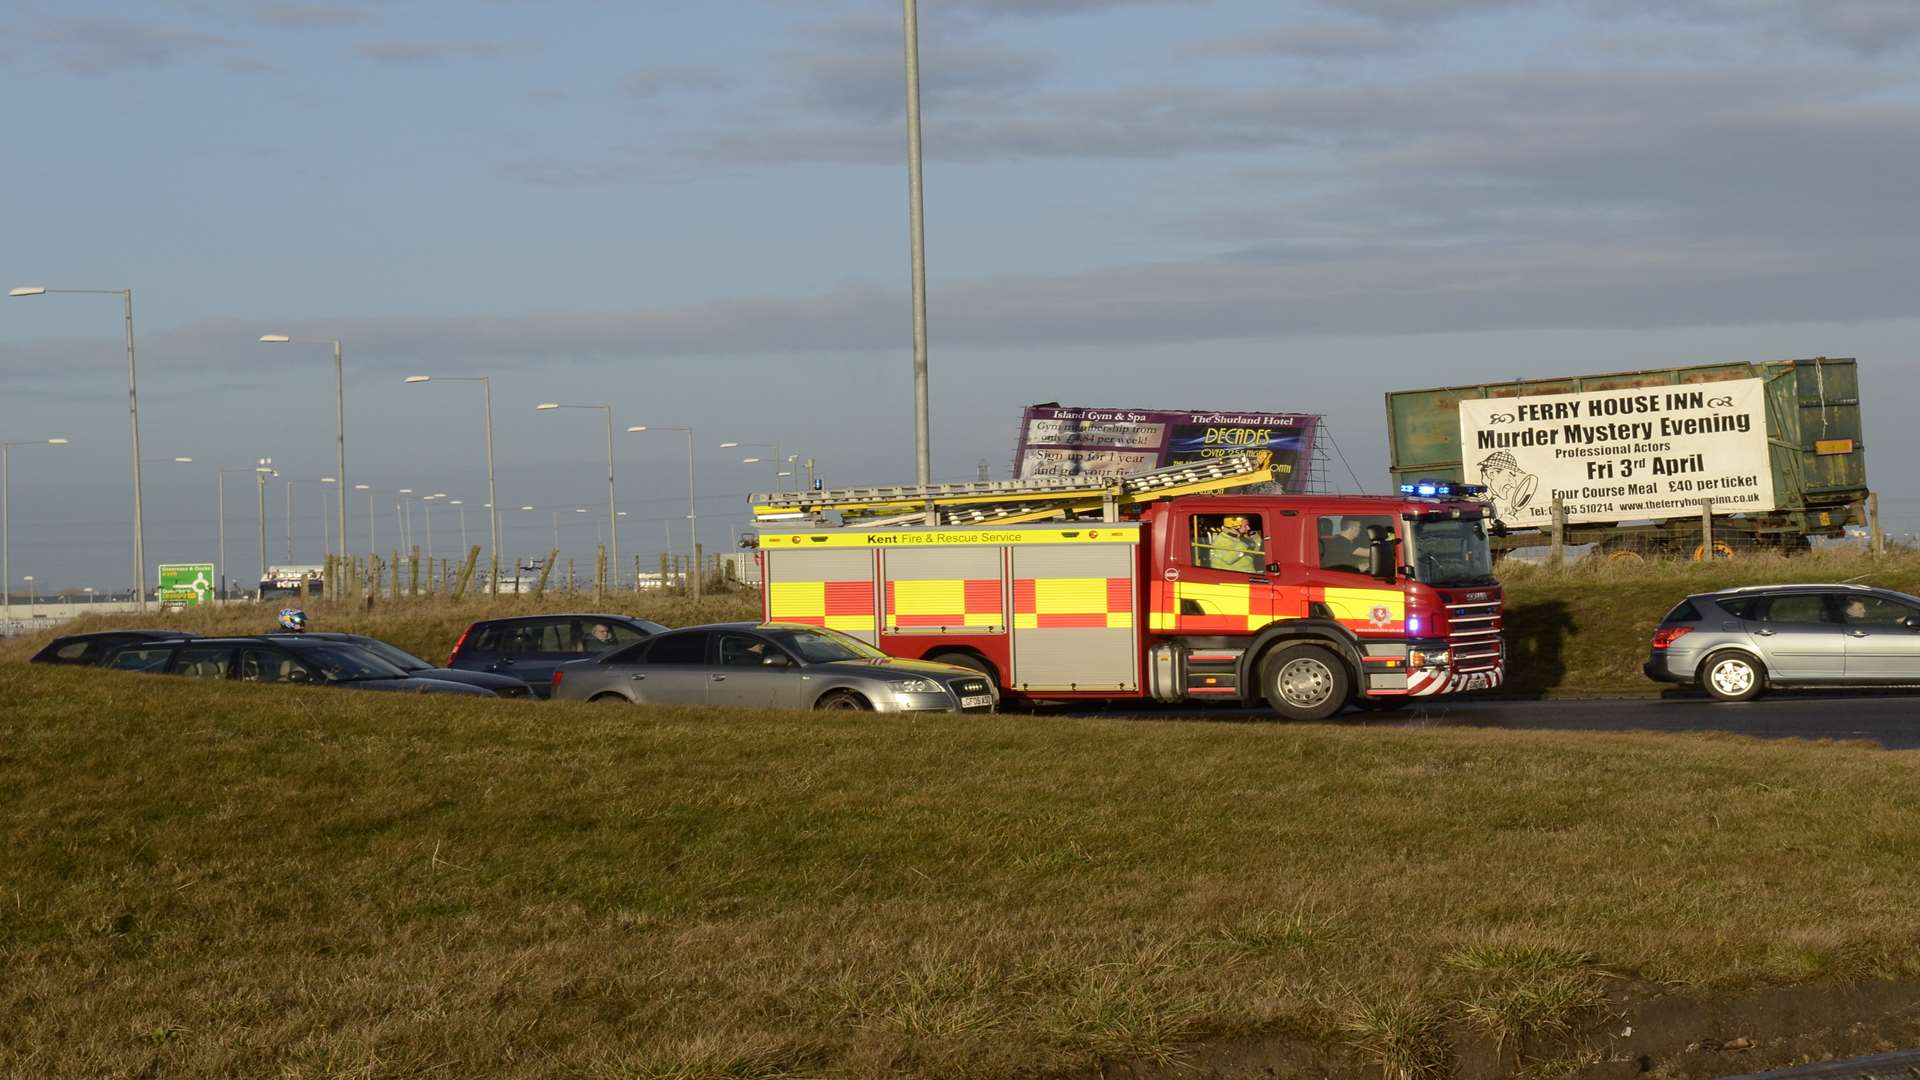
1305	682
608	699
843	701
1732	676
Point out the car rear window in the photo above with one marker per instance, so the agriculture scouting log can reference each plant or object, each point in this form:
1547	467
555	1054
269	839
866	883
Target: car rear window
1684	612
73	651
1741	607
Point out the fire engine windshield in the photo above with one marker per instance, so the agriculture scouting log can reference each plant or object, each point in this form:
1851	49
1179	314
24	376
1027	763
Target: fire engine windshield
1451	552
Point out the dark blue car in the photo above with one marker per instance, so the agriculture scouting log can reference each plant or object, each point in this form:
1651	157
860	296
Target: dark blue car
530	647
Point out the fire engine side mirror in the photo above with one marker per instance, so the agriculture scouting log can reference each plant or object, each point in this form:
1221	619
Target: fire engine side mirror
1380	561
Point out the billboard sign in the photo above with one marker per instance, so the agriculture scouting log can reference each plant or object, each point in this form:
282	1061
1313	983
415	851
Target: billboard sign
186	584
1634	454
1064	441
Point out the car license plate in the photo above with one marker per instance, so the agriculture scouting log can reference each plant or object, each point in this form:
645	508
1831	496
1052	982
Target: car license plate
976	701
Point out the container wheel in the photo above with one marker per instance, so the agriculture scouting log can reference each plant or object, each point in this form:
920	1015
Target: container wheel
1305	682
1721	550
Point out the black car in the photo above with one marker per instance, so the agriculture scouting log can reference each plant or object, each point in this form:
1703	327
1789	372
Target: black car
507	686
530	647
276	660
86	650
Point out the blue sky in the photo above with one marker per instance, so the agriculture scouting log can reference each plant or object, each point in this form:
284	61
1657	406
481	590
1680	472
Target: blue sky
697	214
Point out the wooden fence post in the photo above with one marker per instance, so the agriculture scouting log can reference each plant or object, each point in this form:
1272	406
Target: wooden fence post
395	583
546	569
466	572
1706	530
600	573
1873	522
1557	535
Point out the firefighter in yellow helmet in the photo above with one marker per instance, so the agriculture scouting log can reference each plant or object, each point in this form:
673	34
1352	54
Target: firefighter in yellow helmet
1235	547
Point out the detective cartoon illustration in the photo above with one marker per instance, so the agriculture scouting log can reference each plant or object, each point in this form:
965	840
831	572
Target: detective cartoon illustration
1512	487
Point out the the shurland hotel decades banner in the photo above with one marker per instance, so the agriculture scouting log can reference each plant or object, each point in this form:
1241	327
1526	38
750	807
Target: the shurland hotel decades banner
1067	441
1620	455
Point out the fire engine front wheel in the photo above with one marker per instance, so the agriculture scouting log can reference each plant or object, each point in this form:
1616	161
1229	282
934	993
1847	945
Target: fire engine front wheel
1305	682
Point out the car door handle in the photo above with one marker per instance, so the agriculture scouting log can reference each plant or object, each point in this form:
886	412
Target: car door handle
1764	632
505	661
636	678
1856	633
718	678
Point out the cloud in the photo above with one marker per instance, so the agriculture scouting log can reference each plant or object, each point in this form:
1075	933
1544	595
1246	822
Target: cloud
299	16
1323	39
92	45
1034	8
854	68
659	80
1867	28
409	53
1413	11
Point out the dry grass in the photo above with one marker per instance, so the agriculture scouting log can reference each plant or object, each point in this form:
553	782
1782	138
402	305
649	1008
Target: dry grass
238	880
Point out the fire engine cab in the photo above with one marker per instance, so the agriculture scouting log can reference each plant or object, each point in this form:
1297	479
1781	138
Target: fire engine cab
1179	590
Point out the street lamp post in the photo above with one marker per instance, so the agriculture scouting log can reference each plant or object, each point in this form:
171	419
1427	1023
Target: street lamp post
613	519
261	472
775	447
326	535
463	528
6	526
133	413
373	545
339	421
220	478
493	514
693	503
916	213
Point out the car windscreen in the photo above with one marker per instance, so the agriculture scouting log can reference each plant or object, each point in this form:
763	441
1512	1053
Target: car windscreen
393	654
346	663
1452	552
823	646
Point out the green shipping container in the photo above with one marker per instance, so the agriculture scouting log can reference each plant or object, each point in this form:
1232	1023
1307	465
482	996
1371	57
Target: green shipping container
1816	448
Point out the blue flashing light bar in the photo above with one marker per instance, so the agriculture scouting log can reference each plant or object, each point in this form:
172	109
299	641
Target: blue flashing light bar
1434	489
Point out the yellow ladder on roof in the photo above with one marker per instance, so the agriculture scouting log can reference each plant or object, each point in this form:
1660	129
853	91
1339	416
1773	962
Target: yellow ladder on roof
1008	502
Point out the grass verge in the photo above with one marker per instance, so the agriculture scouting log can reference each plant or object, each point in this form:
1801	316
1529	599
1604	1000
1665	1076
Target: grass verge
238	880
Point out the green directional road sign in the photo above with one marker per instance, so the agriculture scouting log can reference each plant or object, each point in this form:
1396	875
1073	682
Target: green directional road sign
189	584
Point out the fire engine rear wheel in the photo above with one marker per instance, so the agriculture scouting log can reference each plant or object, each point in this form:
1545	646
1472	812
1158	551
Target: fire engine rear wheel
969	660
1305	682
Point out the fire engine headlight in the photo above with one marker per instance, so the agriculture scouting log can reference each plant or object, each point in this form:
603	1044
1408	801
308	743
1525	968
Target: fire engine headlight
1428	658
915	686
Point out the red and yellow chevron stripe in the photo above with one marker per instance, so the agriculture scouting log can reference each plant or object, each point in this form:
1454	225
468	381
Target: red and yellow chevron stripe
1104	603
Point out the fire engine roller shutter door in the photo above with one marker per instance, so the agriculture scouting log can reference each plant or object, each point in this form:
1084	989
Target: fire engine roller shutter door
1073	617
944	590
830	587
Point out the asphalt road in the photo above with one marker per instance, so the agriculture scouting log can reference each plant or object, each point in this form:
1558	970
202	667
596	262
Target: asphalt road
1892	720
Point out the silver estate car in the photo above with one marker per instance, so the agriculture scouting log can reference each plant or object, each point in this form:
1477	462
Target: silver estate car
1736	643
772	666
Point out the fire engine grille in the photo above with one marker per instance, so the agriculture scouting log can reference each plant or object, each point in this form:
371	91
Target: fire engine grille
1473	636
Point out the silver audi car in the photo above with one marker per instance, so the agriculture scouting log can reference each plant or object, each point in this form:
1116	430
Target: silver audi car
1736	643
772	666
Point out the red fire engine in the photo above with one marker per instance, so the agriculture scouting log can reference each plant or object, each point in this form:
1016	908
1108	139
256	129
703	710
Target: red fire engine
1179	590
